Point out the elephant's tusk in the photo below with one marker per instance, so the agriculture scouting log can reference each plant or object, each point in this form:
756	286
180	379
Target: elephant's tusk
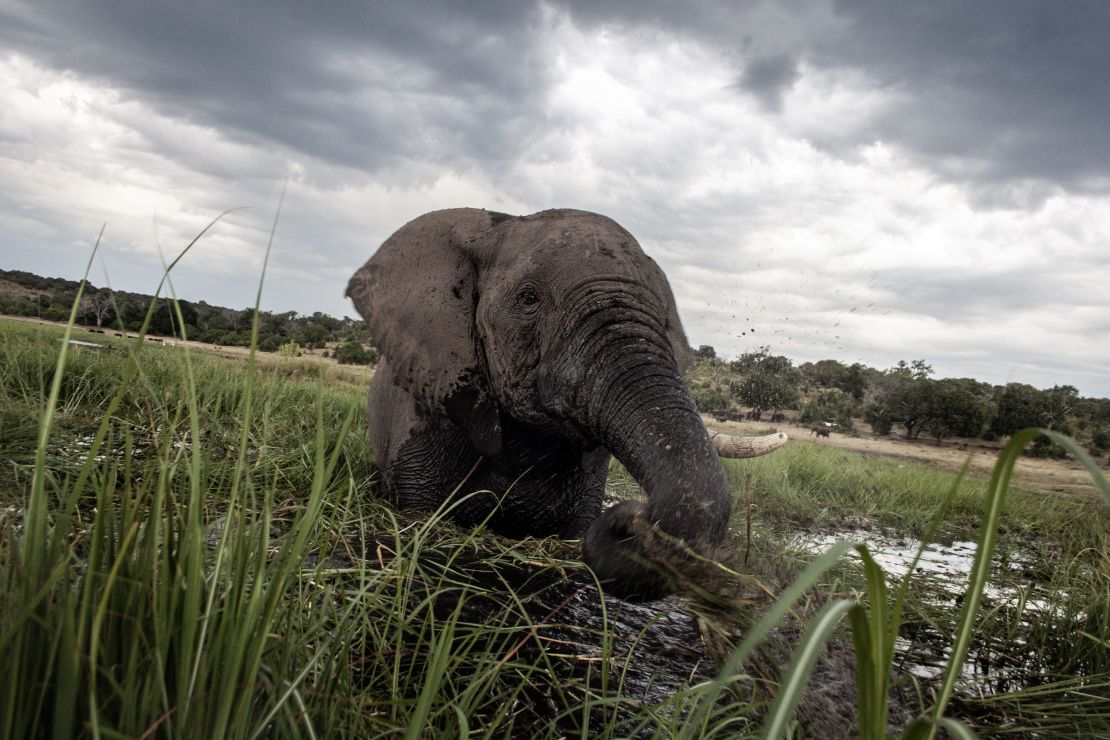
729	446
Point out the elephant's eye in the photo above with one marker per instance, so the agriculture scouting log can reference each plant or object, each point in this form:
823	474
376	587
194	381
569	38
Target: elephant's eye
528	297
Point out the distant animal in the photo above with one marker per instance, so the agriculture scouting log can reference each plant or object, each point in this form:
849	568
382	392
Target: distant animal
518	353
821	431
753	415
777	417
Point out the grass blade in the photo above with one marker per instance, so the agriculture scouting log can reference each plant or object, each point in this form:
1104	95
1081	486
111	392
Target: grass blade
801	666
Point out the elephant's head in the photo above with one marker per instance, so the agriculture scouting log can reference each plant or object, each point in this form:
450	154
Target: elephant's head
559	322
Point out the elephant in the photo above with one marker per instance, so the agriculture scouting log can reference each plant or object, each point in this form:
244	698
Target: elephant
517	354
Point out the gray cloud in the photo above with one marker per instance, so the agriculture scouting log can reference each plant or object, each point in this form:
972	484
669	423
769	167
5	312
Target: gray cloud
989	92
768	78
351	84
986	93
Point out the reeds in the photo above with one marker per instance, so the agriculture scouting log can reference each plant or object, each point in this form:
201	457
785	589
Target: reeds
191	547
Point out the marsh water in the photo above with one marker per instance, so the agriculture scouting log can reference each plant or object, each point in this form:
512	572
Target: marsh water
939	574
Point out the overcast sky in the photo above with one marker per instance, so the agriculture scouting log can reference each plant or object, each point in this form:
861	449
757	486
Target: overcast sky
866	181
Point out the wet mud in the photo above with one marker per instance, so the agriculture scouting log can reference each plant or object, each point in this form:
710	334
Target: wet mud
601	646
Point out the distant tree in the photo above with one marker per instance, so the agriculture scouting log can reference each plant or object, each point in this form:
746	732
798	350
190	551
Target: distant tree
1060	402
705	352
831	405
312	335
275	324
165	320
235	338
854	382
709	397
1017	406
352	352
243	319
330	323
902	394
269	342
915	369
823	373
132	312
208	336
96	307
1100	439
353	329
1098	409
852	379
750	361
213	320
1057	415
769	382
956	407
64	298
880	417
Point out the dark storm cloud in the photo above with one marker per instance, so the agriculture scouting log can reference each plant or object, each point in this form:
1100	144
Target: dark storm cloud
991	91
353	84
984	93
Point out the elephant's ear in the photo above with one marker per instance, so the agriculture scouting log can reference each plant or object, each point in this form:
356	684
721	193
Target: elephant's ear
418	295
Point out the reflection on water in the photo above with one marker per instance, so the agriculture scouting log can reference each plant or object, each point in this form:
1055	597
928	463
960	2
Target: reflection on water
996	662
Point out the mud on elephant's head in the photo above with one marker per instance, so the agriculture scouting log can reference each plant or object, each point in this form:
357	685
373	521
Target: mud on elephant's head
533	345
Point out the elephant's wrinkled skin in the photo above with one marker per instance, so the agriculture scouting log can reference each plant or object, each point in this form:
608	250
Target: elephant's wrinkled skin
518	353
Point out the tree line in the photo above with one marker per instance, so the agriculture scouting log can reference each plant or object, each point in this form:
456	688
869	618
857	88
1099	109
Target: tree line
905	396
904	399
27	294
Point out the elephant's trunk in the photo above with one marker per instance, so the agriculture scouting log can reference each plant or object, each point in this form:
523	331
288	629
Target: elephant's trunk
629	394
659	437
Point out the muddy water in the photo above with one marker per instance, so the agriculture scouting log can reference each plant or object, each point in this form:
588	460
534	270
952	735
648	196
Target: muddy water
939	578
946	566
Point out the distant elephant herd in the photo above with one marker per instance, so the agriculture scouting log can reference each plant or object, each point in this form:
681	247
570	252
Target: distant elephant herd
753	415
776	418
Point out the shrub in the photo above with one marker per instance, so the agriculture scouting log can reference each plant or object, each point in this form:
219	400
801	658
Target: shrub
352	352
709	397
269	343
880	419
290	349
1100	438
833	405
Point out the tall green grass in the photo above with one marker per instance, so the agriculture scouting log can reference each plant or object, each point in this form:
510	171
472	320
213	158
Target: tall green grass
202	571
190	546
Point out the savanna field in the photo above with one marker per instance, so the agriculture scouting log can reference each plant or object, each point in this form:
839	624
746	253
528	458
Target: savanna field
191	546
